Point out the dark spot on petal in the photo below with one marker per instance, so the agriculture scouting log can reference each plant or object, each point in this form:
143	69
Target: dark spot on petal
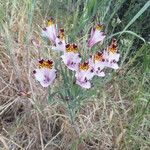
61	30
94	29
92	70
41	61
74	46
67	46
103	60
99	68
86	63
51	19
60	43
44	29
85	79
34	72
114	61
99	53
50	62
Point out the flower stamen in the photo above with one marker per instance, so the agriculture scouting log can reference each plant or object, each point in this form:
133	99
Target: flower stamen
61	34
71	48
84	66
99	27
113	47
50	22
98	57
46	64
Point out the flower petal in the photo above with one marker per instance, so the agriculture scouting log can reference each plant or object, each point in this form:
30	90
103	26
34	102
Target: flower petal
112	65
85	85
96	36
45	76
60	45
111	59
71	60
100	73
50	32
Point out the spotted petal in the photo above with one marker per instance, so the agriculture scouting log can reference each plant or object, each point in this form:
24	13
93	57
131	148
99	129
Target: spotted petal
85	84
111	59
50	33
71	60
97	66
98	69
45	76
60	45
95	37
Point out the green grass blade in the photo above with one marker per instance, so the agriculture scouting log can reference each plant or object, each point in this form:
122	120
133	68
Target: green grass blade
143	9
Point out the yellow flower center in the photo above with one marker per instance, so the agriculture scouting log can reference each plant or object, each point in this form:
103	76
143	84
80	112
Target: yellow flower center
46	64
84	66
98	57
50	22
99	27
113	47
71	48
61	34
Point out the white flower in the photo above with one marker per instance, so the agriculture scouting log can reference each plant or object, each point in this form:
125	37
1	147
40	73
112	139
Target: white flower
45	74
97	61
111	55
84	74
71	57
85	84
60	43
50	31
96	36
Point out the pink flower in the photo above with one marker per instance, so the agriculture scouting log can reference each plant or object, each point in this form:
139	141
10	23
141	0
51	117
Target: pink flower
50	31
60	43
84	74
97	61
71	57
45	74
111	56
96	36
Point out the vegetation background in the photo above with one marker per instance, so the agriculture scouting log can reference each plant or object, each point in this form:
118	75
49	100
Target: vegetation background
116	116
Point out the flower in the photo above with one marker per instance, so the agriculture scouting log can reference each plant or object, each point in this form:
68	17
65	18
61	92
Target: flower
97	61
84	74
60	43
71	57
96	35
45	74
111	55
50	31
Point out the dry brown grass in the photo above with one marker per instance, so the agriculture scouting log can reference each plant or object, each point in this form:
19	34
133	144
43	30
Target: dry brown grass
29	122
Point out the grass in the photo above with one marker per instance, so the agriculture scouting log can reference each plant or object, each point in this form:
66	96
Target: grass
114	114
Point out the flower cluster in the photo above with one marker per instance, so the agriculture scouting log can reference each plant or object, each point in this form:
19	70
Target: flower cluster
84	71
